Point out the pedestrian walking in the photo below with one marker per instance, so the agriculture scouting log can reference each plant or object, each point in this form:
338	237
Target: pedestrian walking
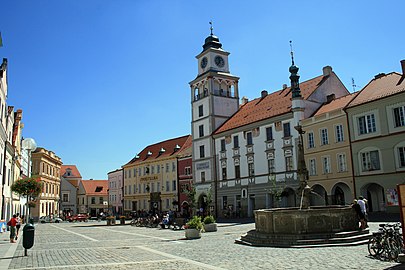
362	202
12	224
360	215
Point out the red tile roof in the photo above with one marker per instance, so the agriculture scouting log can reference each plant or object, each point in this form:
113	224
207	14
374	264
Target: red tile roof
153	152
187	149
377	88
335	104
91	187
74	171
274	104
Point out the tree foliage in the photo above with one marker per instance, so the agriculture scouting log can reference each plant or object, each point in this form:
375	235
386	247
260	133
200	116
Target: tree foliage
30	186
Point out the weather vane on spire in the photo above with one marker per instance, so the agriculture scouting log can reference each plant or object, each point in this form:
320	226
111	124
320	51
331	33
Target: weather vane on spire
292	53
211	28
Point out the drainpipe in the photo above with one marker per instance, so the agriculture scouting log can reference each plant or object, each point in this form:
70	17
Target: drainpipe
351	152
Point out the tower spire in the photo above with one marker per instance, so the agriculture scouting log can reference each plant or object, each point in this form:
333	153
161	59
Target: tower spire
294	77
211	28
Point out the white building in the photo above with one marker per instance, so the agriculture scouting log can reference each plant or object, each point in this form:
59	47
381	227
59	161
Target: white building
115	198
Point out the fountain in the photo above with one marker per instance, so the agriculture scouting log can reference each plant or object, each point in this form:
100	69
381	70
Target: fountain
304	225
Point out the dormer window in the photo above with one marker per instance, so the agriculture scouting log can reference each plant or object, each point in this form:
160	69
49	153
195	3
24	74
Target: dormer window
99	189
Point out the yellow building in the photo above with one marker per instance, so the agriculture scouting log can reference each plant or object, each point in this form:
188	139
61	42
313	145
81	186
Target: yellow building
151	178
47	166
327	154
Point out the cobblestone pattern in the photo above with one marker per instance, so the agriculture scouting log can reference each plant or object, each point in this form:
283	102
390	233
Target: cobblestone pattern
65	246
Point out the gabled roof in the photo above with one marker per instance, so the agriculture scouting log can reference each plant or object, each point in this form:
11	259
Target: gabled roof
335	104
95	187
74	172
74	183
187	149
381	86
154	152
274	104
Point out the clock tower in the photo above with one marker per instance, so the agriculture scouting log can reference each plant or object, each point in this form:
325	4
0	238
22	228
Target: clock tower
214	99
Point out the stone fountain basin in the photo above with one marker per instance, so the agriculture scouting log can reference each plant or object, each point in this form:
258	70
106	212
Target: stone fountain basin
316	219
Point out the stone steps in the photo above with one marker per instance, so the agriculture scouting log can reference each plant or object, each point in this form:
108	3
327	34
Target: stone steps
252	238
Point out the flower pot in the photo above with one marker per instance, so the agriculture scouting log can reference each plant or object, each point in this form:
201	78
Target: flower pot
192	233
212	227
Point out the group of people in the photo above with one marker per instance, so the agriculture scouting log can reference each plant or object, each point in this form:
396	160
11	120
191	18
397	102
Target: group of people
360	206
14	224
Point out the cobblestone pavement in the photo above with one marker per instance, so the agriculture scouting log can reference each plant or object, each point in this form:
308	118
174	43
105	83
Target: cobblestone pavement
94	246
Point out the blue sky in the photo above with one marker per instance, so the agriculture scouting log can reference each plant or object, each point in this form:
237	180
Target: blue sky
99	80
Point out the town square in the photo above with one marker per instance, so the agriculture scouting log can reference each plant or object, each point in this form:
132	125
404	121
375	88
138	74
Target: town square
189	135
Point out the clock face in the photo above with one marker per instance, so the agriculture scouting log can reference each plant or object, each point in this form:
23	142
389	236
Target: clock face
204	62
219	61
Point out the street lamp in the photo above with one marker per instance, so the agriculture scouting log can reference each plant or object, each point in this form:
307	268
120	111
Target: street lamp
30	145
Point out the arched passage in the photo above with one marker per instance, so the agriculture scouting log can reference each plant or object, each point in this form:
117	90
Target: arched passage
318	196
202	203
374	193
341	194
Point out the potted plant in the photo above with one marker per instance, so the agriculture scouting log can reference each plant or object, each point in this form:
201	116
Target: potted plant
209	224
193	228
110	220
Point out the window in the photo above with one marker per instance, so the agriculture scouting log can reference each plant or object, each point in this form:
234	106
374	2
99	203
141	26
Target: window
270	163
129	190
173	166
312	167
370	161
187	170
65	197
152	187
202	154
339	133
135	188
158	186
249	138
93	200
286	130
139	188
167	186
223	145
326	164
237	171
134	172
399	116
235	142
341	159
167	203
223	173
324	136
225	202
129	173
311	142
401	153
269	133
101	200
158	168
202	177
201	130
167	167
289	164
174	185
153	169
200	110
251	169
366	124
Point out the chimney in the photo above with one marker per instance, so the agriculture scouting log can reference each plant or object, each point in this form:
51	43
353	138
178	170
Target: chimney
403	67
284	86
244	100
327	70
379	75
264	93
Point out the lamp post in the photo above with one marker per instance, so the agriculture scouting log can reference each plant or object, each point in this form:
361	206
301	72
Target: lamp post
30	145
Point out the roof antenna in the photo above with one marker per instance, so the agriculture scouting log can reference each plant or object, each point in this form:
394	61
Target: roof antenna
354	85
211	28
292	53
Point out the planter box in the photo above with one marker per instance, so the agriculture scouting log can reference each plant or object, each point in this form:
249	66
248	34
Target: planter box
192	233
212	227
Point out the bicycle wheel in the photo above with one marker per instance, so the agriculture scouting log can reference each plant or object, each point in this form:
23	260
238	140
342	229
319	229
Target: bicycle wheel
374	247
392	249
